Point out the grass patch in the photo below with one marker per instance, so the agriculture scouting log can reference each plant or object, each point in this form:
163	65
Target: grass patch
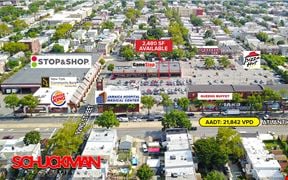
124	156
277	144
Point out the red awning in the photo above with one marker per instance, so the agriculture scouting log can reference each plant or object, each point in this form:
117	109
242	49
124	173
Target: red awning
153	150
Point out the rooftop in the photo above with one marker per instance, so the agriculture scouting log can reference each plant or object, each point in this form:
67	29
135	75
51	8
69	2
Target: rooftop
258	156
100	142
178	159
27	75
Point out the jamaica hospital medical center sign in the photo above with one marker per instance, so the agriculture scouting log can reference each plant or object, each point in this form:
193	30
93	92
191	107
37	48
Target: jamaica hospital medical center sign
117	97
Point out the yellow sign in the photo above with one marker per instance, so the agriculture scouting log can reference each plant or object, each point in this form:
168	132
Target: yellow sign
229	121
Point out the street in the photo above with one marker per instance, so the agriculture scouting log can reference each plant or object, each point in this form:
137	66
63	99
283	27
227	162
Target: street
46	126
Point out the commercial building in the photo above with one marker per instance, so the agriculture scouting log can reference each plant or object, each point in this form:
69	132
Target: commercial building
101	142
178	159
212	93
117	98
259	163
28	80
164	69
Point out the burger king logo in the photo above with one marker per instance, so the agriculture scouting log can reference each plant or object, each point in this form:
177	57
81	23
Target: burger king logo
58	98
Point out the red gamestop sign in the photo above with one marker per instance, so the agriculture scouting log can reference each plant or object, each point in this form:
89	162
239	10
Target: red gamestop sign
56	162
154	45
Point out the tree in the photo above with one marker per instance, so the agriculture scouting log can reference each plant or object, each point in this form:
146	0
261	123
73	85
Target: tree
196	21
127	52
110	67
107	119
65	141
154	33
14	47
209	153
210	43
209	62
166	101
16	37
19	25
148	102
224	61
284	95
11	101
237	98
184	102
217	22
230	141
282	23
176	119
255	102
87	25
201	104
57	48
107	25
269	95
12	64
79	50
145	172
32	137
123	3
215	175
102	61
30	101
175	31
132	14
262	36
4	30
226	30
139	4
62	31
142	26
219	103
208	33
281	42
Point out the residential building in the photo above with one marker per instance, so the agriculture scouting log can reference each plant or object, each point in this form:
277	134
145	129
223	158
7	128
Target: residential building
252	42
130	4
268	49
259	163
187	11
284	49
79	34
3	60
65	43
33	44
126	143
101	142
12	147
208	50
178	158
92	33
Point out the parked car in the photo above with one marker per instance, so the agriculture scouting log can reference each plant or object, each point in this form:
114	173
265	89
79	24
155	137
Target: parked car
8	137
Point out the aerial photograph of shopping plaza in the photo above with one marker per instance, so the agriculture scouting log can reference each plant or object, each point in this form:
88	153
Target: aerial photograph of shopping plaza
143	89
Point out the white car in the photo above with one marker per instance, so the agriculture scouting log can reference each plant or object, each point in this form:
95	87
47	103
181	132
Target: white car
123	119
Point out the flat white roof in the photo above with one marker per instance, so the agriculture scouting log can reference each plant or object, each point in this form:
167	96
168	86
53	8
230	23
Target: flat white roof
153	163
259	157
100	142
177	141
44	94
178	159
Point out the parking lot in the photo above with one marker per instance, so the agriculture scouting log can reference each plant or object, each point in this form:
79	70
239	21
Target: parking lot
196	71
